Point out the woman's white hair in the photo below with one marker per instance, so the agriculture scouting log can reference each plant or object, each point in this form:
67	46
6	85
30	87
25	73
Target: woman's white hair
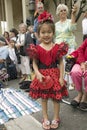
61	7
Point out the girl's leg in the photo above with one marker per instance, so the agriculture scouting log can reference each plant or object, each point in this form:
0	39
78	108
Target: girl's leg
56	119
46	123
44	109
56	110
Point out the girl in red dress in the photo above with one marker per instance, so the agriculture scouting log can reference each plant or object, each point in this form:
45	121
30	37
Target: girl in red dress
49	69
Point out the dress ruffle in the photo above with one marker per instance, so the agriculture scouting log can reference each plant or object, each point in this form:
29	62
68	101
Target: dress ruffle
63	49
32	51
56	92
59	50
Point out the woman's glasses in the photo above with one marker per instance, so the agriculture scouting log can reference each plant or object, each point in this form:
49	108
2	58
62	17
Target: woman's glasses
64	10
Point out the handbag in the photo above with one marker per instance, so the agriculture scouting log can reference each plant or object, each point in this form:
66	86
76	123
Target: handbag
69	63
47	83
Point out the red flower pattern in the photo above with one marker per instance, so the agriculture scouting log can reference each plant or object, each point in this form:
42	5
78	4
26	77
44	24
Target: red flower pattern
45	16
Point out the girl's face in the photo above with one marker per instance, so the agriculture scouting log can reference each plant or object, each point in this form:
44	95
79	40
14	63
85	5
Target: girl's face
46	33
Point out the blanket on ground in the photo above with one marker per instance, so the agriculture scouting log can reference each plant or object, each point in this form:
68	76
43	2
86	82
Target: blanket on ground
15	103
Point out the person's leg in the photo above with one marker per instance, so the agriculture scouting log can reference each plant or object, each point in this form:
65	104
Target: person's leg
56	119
22	68
83	103
84	97
27	68
46	123
76	75
85	81
71	84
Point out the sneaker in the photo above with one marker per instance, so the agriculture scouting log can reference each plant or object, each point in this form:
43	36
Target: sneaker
71	87
83	106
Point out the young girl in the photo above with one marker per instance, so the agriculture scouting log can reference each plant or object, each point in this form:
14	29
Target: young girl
45	56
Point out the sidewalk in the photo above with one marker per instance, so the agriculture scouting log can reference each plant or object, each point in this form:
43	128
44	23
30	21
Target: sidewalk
24	123
27	122
71	119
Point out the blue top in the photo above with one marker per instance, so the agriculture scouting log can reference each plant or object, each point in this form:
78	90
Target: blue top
4	52
35	24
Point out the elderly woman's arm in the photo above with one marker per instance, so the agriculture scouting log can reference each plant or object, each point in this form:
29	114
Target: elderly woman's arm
73	14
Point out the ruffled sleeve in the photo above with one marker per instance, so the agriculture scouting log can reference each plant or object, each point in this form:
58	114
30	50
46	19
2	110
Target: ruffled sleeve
63	49
32	51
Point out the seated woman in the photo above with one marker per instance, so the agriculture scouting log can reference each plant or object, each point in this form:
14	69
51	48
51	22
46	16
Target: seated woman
78	72
3	51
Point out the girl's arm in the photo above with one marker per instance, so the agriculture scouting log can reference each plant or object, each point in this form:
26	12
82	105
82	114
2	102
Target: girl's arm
61	65
37	72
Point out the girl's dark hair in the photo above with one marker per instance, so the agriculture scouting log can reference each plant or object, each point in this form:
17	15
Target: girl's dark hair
49	22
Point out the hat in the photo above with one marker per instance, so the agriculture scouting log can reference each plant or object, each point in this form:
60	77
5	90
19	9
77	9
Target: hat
2	40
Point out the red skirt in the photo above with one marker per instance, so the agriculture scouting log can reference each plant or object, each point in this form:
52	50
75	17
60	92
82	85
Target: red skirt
56	92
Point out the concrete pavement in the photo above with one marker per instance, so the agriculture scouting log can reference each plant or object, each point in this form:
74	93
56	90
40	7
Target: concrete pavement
24	123
27	122
71	119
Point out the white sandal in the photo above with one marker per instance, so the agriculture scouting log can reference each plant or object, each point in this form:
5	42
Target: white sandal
55	124
46	125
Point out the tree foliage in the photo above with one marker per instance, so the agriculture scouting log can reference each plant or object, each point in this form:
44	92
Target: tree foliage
82	6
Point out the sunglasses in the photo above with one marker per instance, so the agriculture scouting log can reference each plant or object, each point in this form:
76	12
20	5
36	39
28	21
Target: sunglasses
64	10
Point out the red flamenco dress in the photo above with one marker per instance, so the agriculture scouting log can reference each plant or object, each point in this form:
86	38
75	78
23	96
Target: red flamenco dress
48	65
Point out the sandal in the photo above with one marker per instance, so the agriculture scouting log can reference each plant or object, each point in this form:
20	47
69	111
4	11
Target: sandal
46	125
55	124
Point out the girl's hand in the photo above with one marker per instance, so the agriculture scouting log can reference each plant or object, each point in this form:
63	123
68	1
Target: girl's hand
61	81
40	77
